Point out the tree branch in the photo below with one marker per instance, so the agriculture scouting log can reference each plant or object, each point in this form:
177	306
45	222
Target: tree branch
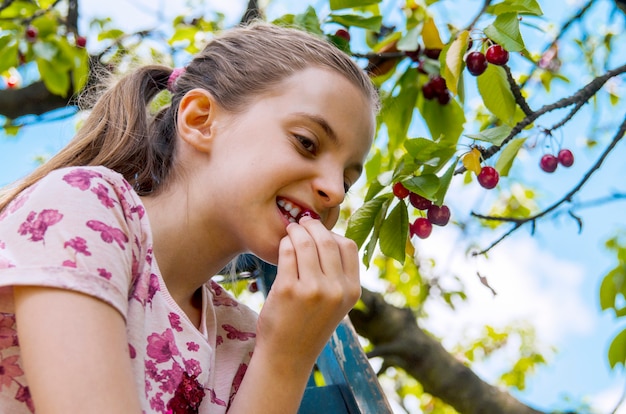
519	222
482	11
396	336
579	98
517	92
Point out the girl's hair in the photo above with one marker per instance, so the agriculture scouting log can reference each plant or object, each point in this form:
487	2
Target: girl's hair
234	67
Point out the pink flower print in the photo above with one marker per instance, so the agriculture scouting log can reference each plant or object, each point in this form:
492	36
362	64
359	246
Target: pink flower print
80	178
5	263
192	366
219	340
17	203
175	321
192	346
162	347
237	380
188	396
170	378
79	244
102	272
37	224
152	370
234	333
109	234
132	352
69	263
8	334
23	395
103	195
156	403
214	398
220	297
9	370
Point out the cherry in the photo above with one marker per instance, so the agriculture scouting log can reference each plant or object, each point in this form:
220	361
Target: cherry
399	190
439	84
566	158
488	177
81	41
548	163
31	33
476	63
419	202
343	33
12	82
421	228
428	91
414	54
253	286
497	55
443	98
439	216
432	53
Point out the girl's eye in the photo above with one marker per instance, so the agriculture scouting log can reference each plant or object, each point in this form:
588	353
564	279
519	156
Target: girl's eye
307	143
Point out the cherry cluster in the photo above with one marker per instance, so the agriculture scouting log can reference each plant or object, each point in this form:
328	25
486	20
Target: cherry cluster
477	61
549	162
436	88
423	226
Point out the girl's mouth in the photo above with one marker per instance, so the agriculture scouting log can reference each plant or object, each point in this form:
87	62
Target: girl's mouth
294	212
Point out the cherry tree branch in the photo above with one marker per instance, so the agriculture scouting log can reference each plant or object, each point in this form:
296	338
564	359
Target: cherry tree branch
517	92
579	98
482	11
567	198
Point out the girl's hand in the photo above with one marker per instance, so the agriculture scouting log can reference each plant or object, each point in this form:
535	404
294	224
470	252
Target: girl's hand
317	283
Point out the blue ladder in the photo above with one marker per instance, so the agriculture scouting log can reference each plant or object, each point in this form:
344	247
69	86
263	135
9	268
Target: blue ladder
350	385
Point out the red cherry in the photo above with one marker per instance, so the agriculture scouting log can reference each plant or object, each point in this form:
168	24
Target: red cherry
488	177
31	33
428	91
12	82
81	41
253	286
399	190
439	84
432	53
549	163
497	55
343	33
419	202
443	98
439	216
421	228
476	63
414	54
566	158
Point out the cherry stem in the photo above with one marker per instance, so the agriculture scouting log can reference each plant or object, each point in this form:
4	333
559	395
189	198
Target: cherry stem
567	198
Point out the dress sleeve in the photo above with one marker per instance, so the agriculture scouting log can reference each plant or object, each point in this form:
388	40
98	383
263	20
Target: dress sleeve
78	229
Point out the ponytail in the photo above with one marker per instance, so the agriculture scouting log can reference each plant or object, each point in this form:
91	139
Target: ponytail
120	134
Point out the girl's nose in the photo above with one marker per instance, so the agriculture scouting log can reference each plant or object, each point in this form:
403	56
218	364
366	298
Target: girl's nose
330	189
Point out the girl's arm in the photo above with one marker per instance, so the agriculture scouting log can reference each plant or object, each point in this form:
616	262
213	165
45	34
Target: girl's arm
74	352
316	284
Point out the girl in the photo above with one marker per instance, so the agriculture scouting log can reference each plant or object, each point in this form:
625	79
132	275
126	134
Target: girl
107	250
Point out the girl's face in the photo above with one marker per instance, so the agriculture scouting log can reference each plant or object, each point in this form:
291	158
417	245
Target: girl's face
293	151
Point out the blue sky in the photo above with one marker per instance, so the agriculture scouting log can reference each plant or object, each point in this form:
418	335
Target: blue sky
550	280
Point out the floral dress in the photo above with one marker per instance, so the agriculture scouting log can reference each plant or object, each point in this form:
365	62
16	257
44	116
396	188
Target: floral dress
85	229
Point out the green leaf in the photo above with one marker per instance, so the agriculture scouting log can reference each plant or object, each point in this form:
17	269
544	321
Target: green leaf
17	9
445	122
117	33
617	350
80	73
393	233
348	4
361	222
374	188
444	183
611	285
507	156
420	149
516	6
493	135
454	61
378	221
425	185
398	112
496	93
350	20
8	52
410	41
309	21
505	31
56	79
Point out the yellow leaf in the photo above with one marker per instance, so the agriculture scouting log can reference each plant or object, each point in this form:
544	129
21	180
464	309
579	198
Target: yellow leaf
471	161
454	61
431	37
410	249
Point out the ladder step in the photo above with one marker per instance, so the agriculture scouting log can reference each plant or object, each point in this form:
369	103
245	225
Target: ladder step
324	399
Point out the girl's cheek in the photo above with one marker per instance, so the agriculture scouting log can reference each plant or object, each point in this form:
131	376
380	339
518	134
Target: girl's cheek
332	218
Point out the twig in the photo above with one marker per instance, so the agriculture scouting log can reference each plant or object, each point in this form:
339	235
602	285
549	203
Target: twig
517	92
566	198
579	98
620	402
383	55
482	11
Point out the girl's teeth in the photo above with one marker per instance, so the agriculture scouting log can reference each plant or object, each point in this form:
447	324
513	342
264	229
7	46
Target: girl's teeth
288	206
292	220
281	203
294	211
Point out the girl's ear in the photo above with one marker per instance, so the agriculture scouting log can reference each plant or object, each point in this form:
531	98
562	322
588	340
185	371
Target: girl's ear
196	115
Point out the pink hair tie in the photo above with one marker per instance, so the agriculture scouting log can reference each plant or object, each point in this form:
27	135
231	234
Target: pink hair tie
171	81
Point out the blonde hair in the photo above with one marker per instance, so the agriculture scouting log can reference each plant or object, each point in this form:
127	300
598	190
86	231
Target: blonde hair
235	66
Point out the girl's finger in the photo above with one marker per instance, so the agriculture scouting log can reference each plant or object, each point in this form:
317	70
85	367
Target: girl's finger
328	251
